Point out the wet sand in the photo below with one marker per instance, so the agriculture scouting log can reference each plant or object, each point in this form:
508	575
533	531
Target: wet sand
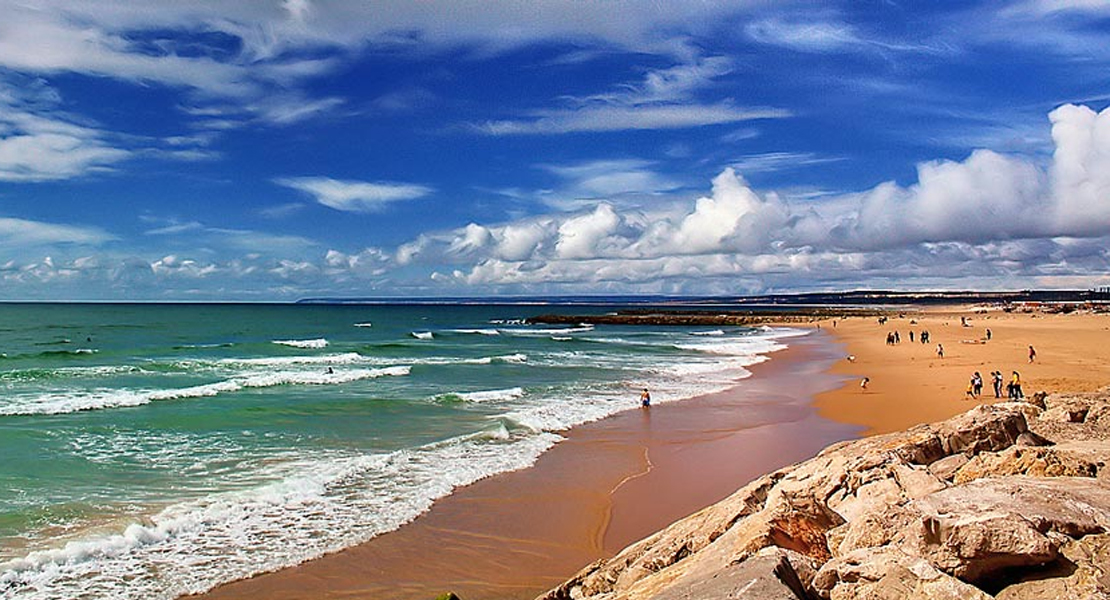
608	484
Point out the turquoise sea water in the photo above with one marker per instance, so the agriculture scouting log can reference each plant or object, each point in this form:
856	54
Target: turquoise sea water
148	451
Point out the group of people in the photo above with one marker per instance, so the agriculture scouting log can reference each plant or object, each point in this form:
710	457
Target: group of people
1013	389
893	337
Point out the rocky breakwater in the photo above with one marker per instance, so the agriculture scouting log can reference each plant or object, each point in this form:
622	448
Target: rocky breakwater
1008	501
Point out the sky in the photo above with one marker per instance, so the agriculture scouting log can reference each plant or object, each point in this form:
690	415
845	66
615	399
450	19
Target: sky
269	150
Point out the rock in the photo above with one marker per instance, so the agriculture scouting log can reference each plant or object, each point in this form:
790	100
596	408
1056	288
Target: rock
978	530
984	428
1008	499
975	547
947	467
1040	462
766	575
1037	399
1083	573
888	574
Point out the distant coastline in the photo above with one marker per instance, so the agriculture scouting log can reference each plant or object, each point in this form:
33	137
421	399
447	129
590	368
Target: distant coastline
860	298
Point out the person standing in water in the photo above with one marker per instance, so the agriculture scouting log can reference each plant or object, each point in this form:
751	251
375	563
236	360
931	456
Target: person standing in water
645	398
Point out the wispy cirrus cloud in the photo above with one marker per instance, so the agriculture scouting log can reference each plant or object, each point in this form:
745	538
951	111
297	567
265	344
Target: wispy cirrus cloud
21	233
628	118
355	196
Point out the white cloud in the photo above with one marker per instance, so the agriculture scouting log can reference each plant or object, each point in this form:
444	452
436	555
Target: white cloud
811	36
355	196
990	216
50	156
605	179
779	161
1081	169
629	118
21	233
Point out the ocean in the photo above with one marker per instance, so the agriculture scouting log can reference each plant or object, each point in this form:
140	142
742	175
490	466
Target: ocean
155	450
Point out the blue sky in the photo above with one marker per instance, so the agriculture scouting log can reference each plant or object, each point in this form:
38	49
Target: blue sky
273	150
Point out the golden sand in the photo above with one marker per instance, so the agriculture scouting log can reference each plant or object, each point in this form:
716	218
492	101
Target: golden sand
910	384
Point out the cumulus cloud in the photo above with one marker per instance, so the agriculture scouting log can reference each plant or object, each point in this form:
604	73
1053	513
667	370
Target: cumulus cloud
355	196
990	216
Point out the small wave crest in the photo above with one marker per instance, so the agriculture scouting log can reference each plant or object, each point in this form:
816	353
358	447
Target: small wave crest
477	331
315	344
316	506
69	402
491	395
422	335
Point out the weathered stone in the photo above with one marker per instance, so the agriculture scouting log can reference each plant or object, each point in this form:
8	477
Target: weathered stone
879	519
984	428
1037	399
947	467
766	575
974	547
1082	573
1039	462
916	482
873	529
888	574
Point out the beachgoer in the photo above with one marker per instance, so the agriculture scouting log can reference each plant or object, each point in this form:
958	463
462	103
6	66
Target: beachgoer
911	336
988	334
645	398
977	381
996	379
940	351
331	371
863	383
971	389
1016	382
1032	354
851	358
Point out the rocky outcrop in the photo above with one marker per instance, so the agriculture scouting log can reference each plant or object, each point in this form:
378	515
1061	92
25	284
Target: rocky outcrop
1006	501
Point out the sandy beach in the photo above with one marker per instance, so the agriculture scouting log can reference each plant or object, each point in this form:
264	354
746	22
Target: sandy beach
910	384
615	481
608	484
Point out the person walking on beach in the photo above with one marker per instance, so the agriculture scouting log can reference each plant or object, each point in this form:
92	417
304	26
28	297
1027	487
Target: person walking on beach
996	380
863	383
940	351
988	334
1016	389
977	383
645	399
1032	354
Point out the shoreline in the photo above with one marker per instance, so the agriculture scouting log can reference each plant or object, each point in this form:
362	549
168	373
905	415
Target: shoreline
608	497
609	483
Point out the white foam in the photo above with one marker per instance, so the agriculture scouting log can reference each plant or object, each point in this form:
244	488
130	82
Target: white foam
548	331
364	324
321	505
73	401
715	332
316	343
477	331
492	395
422	335
345	358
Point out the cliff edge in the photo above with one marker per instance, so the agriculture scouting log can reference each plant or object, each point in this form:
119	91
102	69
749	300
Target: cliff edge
1008	501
